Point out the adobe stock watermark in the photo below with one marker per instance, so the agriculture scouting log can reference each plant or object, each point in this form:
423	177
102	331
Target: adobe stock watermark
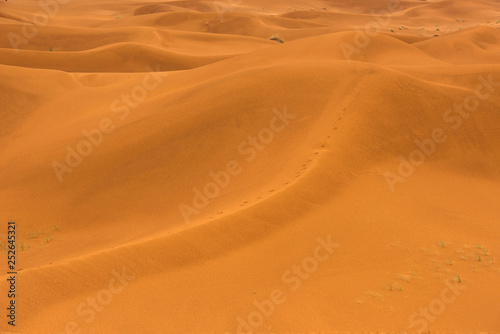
419	321
221	179
454	118
89	309
292	278
225	6
94	137
40	19
364	37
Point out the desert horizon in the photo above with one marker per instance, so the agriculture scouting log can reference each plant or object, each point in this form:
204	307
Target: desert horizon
243	166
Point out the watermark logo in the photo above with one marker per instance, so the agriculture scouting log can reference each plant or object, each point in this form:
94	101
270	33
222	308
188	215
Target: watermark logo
249	149
94	137
293	278
454	117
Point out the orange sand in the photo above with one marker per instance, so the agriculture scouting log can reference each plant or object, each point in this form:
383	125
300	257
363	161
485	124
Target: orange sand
362	129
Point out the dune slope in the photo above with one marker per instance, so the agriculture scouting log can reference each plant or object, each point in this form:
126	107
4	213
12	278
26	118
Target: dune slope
172	169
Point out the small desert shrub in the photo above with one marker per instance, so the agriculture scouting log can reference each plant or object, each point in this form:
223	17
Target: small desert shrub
276	38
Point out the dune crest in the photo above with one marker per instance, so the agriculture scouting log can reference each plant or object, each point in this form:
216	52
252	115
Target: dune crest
173	168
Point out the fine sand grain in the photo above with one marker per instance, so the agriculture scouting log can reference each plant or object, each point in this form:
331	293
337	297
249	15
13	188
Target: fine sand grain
172	167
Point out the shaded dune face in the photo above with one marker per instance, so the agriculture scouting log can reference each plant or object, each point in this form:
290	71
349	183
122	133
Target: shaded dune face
173	168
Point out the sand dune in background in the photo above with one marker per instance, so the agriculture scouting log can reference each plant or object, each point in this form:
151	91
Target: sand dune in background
367	158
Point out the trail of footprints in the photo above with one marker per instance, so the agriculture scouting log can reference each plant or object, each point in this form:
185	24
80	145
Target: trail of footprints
306	165
303	167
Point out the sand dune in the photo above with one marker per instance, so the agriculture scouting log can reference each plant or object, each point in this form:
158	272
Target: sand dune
126	57
171	169
472	46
